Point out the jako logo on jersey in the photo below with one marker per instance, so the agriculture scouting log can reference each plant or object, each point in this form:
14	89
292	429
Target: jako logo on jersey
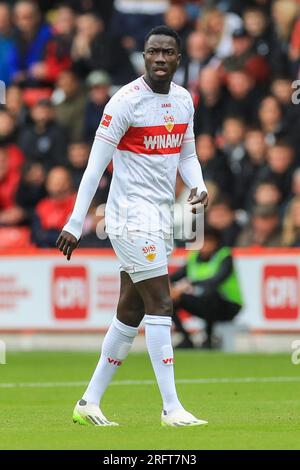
150	252
166	105
169	360
163	141
106	120
115	362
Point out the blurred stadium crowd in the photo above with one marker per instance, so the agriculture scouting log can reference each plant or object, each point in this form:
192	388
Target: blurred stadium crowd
61	61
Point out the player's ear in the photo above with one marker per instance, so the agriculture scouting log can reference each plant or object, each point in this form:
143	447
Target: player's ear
144	55
178	59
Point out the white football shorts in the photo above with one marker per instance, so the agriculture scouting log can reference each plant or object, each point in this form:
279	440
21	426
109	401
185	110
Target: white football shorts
142	255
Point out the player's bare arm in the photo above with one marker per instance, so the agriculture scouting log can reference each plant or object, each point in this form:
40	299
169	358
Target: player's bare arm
100	156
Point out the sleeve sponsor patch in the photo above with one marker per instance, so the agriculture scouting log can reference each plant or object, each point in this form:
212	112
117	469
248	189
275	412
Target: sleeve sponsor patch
106	120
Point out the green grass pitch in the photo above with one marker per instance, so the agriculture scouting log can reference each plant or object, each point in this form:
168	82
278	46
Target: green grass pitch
252	401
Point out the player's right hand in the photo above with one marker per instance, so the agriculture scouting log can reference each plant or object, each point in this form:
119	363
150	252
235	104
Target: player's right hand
198	201
67	243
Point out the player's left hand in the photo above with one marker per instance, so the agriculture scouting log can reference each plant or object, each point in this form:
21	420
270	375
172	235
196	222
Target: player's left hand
198	201
67	243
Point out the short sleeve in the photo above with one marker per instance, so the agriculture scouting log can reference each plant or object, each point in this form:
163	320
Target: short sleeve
115	120
189	135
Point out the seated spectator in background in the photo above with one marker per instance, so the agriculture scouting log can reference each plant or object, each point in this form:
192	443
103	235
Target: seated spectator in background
176	18
213	162
280	167
238	7
132	20
232	142
221	216
58	50
5	20
258	26
78	155
70	101
8	130
10	213
219	28
52	212
31	188
199	54
245	57
251	164
6	44
16	106
284	16
263	229
291	224
8	137
94	49
206	287
30	42
210	110
282	89
267	192
99	84
43	141
270	115
244	96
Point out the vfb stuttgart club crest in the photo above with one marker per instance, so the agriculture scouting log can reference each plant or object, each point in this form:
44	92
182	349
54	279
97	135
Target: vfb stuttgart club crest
169	122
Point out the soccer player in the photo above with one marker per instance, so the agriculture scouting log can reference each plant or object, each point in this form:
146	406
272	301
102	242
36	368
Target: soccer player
147	129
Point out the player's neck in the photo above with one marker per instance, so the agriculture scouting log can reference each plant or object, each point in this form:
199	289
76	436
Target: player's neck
162	88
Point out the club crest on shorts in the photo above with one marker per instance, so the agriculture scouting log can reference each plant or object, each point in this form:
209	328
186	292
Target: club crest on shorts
149	252
169	122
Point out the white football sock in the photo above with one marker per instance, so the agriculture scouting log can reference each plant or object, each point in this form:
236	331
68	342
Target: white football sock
115	347
158	339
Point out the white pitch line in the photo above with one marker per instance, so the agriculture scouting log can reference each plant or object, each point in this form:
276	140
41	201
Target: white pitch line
212	380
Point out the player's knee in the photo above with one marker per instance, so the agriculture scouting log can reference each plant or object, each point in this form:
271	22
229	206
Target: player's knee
130	316
164	306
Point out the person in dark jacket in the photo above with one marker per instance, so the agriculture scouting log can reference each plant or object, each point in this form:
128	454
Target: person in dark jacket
207	287
31	188
53	211
99	84
213	163
94	48
44	141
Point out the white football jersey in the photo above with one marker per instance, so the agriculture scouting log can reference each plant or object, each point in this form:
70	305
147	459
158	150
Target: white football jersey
148	130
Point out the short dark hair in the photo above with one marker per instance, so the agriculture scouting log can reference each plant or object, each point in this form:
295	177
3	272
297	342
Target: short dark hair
223	200
268	180
283	141
255	9
235	117
166	31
